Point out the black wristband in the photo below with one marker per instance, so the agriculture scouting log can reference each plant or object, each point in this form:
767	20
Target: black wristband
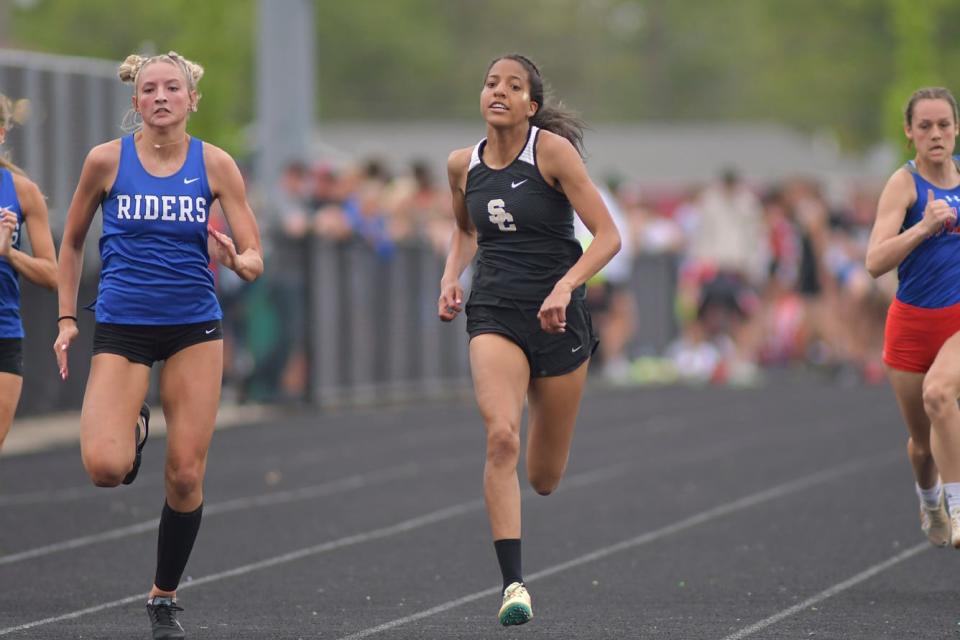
74	318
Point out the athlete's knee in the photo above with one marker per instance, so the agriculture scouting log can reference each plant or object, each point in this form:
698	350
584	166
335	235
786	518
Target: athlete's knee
183	480
105	471
544	475
503	445
544	483
919	449
937	396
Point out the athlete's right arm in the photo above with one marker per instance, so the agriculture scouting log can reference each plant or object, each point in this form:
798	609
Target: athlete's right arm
99	170
888	247
463	243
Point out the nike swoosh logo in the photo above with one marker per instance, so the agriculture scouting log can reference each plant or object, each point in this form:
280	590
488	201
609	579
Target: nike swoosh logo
575	349
190	181
514	185
209	331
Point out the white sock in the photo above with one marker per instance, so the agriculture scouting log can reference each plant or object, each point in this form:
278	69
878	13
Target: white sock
952	490
930	497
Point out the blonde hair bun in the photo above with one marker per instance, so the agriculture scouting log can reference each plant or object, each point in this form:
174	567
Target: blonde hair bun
13	111
129	68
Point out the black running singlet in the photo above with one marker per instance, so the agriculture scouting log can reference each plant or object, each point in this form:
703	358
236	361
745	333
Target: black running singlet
525	239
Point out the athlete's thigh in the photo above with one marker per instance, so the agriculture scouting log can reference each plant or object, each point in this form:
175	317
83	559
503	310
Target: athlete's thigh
908	390
501	373
946	366
554	404
10	387
190	389
116	389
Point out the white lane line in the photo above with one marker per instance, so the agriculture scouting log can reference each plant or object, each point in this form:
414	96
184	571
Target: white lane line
305	493
301	458
76	614
745	502
652	425
840	587
349	483
71	494
447	513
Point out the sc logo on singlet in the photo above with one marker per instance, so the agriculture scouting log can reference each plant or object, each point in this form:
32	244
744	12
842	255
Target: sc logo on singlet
500	216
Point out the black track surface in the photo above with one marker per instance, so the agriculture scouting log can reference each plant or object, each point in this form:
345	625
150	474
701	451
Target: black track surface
685	513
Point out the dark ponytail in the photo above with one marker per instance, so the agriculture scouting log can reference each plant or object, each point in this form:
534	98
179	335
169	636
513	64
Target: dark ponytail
553	118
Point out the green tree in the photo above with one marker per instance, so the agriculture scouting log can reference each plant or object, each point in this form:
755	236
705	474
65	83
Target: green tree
843	66
914	60
218	35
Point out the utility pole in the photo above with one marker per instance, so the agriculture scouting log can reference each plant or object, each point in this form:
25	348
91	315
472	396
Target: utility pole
285	84
5	14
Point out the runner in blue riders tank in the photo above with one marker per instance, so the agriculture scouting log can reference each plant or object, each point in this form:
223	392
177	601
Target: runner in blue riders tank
22	209
156	302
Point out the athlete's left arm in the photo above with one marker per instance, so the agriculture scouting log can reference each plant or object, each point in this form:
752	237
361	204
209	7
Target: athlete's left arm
243	254
41	267
563	168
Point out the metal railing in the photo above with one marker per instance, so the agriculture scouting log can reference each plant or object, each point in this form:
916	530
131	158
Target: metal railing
367	324
76	103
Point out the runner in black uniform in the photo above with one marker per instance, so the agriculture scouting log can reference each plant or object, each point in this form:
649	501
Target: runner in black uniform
530	334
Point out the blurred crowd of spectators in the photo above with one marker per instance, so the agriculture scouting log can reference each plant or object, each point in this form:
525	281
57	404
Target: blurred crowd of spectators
363	203
767	276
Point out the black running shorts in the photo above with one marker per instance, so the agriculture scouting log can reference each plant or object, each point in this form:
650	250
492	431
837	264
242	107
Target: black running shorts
549	354
146	344
11	356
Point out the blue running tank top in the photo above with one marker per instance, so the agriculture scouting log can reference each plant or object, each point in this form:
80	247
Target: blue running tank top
930	274
10	324
155	265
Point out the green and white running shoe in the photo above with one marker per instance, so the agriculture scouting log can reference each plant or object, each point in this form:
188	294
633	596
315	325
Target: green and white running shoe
516	605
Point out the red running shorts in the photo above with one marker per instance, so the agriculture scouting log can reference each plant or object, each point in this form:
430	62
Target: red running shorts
914	335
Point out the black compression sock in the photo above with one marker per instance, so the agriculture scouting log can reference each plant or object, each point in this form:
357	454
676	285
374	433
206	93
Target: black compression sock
174	544
508	555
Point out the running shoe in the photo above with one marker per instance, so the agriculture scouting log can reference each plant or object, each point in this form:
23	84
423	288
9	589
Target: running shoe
145	432
516	605
935	523
955	527
163	618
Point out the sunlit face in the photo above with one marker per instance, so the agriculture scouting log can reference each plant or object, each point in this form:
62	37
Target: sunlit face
163	97
933	130
505	99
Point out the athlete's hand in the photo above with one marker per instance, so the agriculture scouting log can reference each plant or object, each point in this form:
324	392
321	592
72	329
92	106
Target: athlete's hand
451	299
553	311
8	226
938	214
222	248
68	331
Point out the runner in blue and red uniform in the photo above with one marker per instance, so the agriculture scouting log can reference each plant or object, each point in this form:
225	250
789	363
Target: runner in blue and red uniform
916	232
